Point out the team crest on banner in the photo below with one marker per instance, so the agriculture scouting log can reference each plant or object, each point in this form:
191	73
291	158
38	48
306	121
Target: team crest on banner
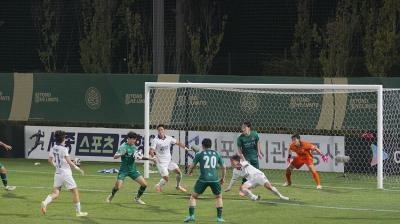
93	98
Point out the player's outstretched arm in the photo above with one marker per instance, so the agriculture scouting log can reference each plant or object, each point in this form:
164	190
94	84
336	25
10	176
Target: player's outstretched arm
182	145
240	153
68	159
324	157
260	154
223	174
119	153
4	145
235	176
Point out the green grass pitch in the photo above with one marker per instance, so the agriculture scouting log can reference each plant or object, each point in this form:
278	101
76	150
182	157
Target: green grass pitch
340	201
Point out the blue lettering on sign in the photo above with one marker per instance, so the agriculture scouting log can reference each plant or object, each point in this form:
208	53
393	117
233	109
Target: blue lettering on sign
69	141
96	144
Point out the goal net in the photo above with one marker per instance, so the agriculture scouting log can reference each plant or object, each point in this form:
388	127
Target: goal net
349	123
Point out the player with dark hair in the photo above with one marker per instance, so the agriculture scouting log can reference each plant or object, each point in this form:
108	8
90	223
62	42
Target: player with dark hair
303	150
59	158
209	161
254	176
160	148
3	170
128	152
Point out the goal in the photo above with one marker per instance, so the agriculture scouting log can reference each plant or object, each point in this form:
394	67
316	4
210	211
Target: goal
357	122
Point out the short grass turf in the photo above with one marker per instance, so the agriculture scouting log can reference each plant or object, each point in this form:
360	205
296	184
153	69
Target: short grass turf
342	200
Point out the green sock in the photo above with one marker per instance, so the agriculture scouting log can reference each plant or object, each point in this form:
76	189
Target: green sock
4	179
140	191
219	212
114	190
191	210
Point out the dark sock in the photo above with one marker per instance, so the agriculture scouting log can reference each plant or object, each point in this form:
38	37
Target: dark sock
4	179
219	212
114	190
140	191
191	210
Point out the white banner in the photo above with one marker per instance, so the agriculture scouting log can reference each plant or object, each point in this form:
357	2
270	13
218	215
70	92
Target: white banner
100	144
275	148
89	144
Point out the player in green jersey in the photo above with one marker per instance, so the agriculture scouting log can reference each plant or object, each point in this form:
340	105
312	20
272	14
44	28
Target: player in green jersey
209	161
3	171
128	152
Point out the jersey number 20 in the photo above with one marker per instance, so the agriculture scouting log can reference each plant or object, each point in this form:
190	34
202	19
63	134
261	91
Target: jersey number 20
210	162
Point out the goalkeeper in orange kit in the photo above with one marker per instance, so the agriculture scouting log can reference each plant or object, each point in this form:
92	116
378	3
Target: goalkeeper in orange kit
303	150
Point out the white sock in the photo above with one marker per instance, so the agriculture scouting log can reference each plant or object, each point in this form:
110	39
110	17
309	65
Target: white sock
178	179
162	182
48	200
276	192
249	194
78	207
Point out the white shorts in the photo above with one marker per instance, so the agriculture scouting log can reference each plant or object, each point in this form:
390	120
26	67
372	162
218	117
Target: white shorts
258	179
164	167
63	179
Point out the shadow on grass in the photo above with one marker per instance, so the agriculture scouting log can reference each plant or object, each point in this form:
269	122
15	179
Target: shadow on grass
349	219
16	215
13	196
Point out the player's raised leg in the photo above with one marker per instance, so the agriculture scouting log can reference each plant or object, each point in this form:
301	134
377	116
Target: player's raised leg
143	185
178	177
3	175
115	189
275	191
52	196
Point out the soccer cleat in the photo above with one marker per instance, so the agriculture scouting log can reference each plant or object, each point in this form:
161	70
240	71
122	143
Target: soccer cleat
43	208
81	214
286	184
319	187
190	218
257	198
219	220
158	188
109	198
181	189
9	188
284	198
139	201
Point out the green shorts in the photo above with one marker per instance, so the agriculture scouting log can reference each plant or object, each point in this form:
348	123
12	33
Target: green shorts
1	165
131	173
201	186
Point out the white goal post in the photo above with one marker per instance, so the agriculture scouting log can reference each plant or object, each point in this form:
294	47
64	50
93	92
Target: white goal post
271	90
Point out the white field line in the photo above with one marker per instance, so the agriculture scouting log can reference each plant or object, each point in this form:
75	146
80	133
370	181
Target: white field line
395	189
241	201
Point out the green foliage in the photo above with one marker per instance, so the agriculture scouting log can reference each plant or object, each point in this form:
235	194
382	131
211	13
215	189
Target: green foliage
341	41
47	19
381	41
138	31
306	40
96	42
205	28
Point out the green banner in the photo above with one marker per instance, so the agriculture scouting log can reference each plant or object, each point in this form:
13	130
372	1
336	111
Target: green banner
6	94
97	98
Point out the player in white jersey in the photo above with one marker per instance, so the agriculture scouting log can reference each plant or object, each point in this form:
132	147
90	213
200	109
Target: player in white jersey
161	148
254	176
59	158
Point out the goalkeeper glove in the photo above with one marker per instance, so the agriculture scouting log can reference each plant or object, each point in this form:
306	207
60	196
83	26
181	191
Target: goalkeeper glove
288	158
325	158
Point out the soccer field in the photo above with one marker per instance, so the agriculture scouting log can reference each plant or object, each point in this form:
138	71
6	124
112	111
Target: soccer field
339	201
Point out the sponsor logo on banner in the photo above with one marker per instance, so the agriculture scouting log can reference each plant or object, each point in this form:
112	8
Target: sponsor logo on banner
93	98
133	98
3	97
45	97
275	148
89	144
